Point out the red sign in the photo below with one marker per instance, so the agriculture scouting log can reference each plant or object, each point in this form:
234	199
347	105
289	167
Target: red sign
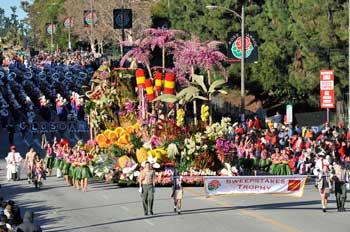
327	88
294	185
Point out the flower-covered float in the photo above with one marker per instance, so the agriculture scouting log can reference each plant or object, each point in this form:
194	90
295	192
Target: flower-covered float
150	113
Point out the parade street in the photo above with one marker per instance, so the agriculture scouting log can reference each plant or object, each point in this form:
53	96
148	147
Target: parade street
106	207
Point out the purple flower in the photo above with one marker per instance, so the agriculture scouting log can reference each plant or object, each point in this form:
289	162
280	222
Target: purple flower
129	106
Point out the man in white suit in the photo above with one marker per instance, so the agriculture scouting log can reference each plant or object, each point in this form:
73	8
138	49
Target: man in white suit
13	161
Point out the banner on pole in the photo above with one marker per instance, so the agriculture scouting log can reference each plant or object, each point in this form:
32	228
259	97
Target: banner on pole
234	52
327	89
51	28
90	18
230	185
68	23
122	18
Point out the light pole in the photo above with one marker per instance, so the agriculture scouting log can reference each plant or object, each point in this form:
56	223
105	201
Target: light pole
349	67
241	17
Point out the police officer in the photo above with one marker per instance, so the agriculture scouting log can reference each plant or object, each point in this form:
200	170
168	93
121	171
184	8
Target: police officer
340	178
147	184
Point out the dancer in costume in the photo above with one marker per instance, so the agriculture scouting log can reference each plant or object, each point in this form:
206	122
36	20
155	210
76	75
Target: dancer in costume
66	164
85	172
76	173
29	161
71	159
58	151
49	159
284	168
275	159
241	154
39	171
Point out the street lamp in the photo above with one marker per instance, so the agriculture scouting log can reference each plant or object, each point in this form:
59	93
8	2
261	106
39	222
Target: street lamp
241	17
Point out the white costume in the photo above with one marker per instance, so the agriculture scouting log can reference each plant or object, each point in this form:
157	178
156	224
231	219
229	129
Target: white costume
13	161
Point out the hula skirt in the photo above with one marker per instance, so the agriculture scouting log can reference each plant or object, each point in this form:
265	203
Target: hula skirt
71	171
280	169
273	168
58	163
82	173
264	164
65	168
50	161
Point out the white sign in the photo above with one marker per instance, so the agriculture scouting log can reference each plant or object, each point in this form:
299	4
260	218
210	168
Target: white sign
289	114
282	185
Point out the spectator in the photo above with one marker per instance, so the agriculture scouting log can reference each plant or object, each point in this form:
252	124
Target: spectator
8	211
28	223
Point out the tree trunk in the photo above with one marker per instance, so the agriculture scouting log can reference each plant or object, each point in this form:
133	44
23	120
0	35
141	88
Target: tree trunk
209	101
194	106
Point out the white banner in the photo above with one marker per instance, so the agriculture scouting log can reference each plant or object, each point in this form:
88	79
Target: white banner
281	185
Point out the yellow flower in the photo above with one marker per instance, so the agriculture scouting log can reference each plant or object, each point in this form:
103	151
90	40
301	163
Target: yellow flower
180	117
204	113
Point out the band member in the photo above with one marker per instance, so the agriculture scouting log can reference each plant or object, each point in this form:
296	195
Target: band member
13	164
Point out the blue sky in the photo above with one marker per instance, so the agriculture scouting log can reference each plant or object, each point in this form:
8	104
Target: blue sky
6	4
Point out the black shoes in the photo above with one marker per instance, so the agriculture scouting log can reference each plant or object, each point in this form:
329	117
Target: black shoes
174	209
179	212
151	213
146	214
324	210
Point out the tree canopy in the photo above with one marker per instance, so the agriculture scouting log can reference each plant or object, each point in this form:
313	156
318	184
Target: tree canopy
298	38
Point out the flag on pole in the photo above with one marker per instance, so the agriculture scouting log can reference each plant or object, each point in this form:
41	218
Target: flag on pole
68	23
51	28
90	18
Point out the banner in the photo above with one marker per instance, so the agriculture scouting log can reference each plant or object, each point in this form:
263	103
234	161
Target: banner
122	18
289	113
327	89
68	23
234	52
281	185
51	28
90	18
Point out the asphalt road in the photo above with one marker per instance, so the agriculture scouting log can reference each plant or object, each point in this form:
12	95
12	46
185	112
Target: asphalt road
106	207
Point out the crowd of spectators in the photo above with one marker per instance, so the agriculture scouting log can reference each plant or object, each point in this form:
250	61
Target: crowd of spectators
11	220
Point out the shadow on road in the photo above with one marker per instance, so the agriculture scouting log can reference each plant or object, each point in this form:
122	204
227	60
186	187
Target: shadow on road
275	206
43	213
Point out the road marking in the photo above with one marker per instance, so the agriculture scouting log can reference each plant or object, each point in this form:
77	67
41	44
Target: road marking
248	212
269	220
148	222
125	208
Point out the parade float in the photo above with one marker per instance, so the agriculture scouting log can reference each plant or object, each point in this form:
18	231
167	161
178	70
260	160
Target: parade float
159	114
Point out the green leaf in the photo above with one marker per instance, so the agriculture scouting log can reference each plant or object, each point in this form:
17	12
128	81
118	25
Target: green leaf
201	98
168	98
191	90
199	79
222	91
216	84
